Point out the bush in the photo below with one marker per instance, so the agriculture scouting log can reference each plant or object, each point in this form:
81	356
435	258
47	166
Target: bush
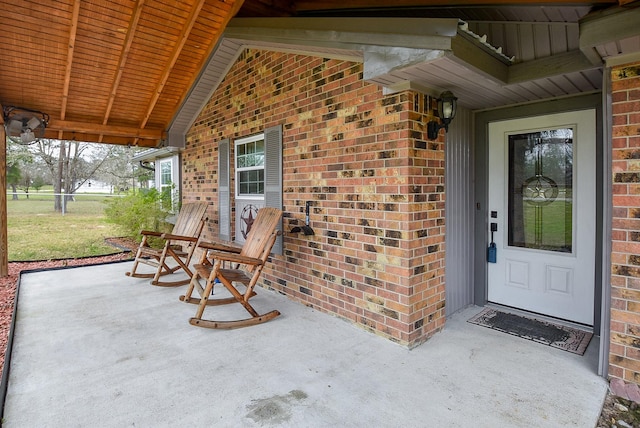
138	211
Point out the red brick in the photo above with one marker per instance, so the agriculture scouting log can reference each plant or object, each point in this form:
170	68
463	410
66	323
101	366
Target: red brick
333	128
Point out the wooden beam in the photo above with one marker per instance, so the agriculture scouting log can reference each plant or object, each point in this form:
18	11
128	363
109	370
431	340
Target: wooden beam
207	56
72	43
124	54
311	5
609	26
348	33
469	53
267	8
122	61
554	65
113	130
4	247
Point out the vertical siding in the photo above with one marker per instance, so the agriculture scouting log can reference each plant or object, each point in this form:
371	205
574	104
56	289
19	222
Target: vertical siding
459	213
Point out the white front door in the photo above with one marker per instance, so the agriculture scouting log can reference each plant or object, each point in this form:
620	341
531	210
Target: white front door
542	201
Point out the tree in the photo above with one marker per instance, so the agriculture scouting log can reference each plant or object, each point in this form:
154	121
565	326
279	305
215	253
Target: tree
17	157
68	165
121	172
71	164
13	178
38	182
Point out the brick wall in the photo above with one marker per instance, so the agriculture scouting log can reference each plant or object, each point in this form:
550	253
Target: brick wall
624	359
376	186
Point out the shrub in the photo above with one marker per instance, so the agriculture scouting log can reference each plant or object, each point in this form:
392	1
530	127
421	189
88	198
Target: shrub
142	210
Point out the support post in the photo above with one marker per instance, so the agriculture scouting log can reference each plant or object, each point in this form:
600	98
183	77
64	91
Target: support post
4	254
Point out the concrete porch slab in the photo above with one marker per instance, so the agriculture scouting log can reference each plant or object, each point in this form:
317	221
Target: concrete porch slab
93	347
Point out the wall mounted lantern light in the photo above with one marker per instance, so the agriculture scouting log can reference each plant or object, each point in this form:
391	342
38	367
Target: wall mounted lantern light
447	104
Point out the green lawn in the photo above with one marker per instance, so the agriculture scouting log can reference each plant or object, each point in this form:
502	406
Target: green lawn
37	232
554	229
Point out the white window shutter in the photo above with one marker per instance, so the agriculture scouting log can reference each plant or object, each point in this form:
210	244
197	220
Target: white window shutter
224	196
273	175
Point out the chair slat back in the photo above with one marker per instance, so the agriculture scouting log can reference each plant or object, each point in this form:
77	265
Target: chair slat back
261	232
190	218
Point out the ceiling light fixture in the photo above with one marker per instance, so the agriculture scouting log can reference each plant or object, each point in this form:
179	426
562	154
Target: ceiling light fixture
23	125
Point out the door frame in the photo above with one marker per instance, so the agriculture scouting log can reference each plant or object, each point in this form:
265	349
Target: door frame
575	297
481	191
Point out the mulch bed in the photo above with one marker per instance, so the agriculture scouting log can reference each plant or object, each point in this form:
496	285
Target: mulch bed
8	284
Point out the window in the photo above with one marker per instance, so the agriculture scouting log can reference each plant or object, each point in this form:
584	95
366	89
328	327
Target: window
166	182
250	166
257	176
165	173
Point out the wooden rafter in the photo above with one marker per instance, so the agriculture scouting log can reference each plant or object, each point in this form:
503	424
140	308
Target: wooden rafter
313	5
67	75
119	64
174	57
131	31
233	11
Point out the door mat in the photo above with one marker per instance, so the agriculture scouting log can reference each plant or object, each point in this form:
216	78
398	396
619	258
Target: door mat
555	335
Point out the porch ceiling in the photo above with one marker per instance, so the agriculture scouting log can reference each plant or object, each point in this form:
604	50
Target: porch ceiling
133	71
106	71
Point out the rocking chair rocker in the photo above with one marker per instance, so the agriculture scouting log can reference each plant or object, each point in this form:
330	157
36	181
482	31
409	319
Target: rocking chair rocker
248	267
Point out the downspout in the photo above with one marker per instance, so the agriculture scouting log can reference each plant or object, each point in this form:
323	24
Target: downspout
145	165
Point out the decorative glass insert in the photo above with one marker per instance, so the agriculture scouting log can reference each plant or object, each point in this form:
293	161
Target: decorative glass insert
250	166
540	192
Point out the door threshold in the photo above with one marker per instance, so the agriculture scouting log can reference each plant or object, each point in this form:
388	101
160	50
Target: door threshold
541	317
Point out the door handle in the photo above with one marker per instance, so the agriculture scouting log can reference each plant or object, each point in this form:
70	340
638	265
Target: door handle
492	251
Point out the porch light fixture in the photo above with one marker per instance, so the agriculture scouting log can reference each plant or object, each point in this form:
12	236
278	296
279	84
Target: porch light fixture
23	125
447	104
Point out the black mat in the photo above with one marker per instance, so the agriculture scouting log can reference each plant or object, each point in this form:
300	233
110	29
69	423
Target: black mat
555	335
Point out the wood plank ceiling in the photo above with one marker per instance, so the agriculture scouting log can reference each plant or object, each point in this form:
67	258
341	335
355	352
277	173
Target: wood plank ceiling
118	71
112	71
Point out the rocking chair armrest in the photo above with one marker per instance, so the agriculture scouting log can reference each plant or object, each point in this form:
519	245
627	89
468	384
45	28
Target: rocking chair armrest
234	258
219	246
150	233
171	237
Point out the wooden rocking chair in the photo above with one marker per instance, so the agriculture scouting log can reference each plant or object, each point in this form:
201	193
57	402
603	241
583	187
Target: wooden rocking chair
179	245
248	266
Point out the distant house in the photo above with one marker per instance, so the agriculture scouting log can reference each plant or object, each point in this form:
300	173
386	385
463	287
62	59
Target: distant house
165	163
95	186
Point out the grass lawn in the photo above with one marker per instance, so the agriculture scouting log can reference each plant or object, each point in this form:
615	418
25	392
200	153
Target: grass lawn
37	232
555	229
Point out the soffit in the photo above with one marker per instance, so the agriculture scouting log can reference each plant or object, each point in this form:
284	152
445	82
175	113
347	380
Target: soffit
611	33
544	42
429	55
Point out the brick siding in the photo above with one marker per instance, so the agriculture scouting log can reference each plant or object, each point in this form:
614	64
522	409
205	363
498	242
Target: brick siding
624	355
375	182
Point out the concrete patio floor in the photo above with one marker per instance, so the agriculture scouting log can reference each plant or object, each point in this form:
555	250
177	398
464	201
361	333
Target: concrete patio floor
94	348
